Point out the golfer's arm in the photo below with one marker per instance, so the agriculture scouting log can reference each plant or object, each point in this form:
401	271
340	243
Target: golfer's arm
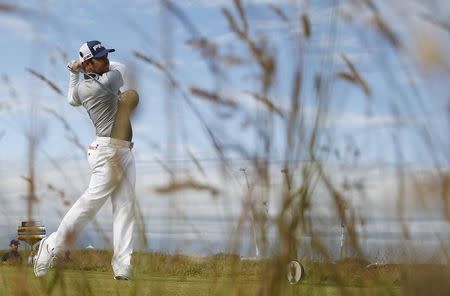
71	96
114	78
119	67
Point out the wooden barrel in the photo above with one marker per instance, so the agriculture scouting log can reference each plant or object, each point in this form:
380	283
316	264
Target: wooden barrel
31	232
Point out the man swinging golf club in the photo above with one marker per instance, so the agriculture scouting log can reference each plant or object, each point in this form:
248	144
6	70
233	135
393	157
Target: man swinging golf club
112	164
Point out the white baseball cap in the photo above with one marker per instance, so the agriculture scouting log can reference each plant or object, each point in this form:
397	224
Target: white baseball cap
93	49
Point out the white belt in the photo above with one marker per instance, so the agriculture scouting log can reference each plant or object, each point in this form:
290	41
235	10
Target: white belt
115	142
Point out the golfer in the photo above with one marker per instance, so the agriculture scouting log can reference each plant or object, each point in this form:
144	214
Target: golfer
110	159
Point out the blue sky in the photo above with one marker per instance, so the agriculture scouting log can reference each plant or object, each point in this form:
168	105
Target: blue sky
43	30
409	93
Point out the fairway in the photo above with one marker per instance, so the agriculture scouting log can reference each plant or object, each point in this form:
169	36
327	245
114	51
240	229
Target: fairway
21	281
225	147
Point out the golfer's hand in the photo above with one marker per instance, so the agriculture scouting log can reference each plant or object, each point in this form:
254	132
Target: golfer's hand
74	66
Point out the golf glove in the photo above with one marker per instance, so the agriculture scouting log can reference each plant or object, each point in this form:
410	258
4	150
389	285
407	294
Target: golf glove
74	66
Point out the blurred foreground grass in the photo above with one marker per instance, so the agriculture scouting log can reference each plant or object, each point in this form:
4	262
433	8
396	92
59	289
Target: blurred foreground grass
101	283
89	273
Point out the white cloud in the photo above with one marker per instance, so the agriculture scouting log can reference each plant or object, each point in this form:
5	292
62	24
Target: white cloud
21	27
145	7
223	38
196	215
333	118
362	120
271	24
214	3
143	127
10	109
82	20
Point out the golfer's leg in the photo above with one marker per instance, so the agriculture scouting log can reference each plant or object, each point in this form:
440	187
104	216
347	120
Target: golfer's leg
123	204
104	180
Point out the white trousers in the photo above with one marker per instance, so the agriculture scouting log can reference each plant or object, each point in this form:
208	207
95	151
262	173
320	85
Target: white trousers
113	176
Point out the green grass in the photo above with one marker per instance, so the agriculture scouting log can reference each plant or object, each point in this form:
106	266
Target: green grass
21	281
89	273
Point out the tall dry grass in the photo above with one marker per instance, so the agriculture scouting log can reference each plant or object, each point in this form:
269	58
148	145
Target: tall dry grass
306	142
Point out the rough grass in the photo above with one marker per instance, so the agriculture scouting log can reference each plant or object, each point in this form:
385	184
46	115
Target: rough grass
15	281
89	273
